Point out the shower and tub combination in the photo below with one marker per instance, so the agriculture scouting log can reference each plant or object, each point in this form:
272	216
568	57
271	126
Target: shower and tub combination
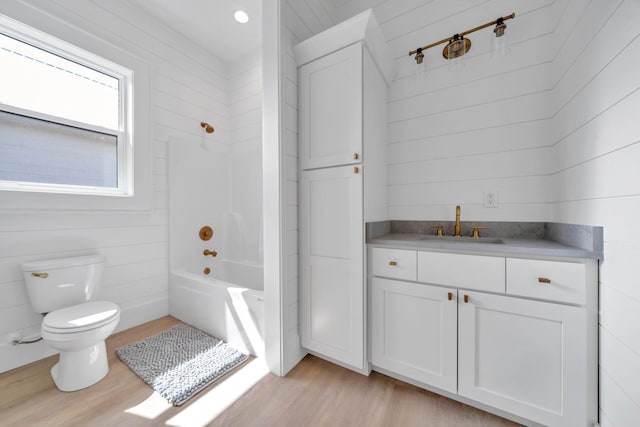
215	240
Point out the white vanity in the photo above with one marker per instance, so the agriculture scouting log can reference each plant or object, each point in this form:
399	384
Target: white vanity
510	332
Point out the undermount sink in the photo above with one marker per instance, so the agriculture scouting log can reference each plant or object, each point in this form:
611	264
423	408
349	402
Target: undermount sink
462	239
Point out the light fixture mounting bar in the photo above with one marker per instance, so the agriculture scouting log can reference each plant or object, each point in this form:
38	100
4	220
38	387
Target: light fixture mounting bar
479	27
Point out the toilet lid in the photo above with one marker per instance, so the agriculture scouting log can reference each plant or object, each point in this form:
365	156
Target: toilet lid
81	317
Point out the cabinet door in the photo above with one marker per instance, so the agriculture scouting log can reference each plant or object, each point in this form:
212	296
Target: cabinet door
330	110
332	264
525	357
414	331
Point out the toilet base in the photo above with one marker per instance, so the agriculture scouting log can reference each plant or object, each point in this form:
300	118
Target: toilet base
80	368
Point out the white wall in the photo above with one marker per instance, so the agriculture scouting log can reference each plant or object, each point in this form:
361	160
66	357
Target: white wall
299	22
245	116
457	133
188	85
595	140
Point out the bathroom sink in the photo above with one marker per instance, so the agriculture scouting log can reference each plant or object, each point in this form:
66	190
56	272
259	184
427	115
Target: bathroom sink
463	239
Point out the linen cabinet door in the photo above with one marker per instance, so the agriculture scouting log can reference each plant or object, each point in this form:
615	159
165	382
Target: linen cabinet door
332	264
525	357
330	110
414	331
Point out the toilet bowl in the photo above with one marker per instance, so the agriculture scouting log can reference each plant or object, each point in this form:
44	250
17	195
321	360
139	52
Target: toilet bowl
74	324
78	333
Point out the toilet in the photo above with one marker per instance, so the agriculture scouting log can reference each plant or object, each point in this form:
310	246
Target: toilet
64	289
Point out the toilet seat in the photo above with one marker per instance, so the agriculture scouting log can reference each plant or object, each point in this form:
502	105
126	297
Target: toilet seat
80	317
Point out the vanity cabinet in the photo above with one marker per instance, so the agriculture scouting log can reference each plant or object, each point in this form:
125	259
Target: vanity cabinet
513	334
342	115
522	356
414	331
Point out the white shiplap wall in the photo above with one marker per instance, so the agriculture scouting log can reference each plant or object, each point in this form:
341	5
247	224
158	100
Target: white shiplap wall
595	157
294	29
245	120
457	133
188	85
300	20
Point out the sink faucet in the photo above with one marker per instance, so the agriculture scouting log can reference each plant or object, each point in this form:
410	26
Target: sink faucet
456	229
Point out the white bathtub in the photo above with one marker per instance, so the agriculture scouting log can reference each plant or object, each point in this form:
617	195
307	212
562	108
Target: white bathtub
228	303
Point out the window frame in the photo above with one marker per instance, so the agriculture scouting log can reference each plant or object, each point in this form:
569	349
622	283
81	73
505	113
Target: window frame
124	133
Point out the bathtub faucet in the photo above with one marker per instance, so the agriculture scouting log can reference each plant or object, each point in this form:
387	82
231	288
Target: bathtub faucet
208	252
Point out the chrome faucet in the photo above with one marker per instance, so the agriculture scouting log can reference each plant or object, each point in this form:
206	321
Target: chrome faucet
456	229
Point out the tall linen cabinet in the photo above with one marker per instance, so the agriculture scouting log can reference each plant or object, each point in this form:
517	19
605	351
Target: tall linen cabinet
343	78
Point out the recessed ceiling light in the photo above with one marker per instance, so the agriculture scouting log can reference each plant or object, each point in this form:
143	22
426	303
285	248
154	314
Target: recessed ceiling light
241	16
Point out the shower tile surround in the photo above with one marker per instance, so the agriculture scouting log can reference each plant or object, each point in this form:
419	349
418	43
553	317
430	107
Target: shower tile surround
589	240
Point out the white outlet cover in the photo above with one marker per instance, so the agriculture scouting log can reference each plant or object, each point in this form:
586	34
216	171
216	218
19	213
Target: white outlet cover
490	199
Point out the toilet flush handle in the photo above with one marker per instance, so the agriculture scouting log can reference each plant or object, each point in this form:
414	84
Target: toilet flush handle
40	275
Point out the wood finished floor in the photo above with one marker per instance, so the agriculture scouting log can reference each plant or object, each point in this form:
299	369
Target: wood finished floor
314	393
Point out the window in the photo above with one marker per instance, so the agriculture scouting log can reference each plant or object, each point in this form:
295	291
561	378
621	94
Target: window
65	117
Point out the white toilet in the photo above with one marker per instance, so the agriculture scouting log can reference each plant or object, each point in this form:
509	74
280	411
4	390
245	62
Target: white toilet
74	325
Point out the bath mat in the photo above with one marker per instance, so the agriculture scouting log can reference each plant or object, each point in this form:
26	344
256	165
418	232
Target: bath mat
180	361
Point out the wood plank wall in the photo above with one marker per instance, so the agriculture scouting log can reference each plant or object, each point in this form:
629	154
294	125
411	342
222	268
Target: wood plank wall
245	118
188	85
595	155
299	22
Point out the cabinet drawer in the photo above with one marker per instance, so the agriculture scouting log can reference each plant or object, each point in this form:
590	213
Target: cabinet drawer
394	263
549	280
462	271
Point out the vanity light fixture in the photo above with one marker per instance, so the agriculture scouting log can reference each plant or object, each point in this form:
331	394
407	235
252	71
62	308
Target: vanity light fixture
241	16
458	45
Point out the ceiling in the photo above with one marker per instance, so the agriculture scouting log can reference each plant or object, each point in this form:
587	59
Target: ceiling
210	23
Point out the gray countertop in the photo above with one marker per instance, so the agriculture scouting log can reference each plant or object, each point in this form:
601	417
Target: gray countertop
551	240
506	247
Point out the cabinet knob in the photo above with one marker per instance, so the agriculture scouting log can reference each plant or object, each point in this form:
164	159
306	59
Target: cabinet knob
393	263
449	296
544	280
355	156
466	298
356	169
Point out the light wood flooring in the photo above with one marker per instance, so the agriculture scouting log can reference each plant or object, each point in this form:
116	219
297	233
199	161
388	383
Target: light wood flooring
314	393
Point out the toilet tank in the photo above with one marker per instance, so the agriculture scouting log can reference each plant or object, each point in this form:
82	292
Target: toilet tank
57	283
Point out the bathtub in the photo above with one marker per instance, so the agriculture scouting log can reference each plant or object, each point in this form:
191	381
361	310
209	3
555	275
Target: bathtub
228	303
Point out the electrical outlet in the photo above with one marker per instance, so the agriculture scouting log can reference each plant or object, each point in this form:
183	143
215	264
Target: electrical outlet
490	199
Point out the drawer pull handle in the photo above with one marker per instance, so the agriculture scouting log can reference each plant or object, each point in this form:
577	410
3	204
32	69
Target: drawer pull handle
544	280
355	169
466	299
355	156
393	263
449	296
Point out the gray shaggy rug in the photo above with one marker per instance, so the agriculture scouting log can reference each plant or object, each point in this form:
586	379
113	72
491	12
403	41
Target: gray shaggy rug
180	361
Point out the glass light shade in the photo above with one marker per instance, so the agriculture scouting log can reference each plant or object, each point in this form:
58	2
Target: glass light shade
500	45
